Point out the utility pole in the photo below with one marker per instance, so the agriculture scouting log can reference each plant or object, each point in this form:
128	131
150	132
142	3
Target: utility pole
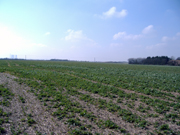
94	59
25	57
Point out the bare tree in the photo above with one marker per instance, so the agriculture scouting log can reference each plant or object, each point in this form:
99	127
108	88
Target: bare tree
172	58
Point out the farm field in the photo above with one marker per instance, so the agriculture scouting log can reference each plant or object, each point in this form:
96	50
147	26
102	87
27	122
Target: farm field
83	98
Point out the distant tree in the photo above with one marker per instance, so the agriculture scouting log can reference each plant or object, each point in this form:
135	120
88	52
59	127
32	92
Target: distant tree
173	62
157	60
131	61
136	60
140	60
172	58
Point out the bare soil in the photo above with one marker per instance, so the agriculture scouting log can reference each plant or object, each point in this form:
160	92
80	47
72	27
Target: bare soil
45	122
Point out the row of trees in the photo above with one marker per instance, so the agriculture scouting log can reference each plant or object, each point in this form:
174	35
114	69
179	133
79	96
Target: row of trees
158	60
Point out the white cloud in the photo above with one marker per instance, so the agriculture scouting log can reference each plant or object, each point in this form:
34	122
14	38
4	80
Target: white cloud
113	13
166	39
148	29
123	35
119	35
123	13
178	34
168	45
78	38
47	33
75	36
110	12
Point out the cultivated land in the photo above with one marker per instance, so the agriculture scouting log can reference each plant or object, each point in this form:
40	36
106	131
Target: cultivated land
45	97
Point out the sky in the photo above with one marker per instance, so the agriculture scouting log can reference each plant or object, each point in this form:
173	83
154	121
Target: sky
88	30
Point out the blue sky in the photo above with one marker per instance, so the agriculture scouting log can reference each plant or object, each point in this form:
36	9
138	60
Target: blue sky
107	30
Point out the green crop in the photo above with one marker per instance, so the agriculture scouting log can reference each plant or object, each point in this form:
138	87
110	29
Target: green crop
136	94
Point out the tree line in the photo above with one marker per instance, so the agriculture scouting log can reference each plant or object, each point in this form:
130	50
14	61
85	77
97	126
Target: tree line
158	60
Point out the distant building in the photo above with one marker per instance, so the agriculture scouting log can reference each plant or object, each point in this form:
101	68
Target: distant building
12	56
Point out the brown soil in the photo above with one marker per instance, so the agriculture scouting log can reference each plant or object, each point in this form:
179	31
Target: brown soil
137	103
8	64
45	123
105	115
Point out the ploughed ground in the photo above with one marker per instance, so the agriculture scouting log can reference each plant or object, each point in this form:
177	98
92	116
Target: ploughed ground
28	117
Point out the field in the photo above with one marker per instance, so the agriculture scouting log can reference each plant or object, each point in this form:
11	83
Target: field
82	98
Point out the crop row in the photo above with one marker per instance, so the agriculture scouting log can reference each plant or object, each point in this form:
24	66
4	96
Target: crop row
106	91
66	109
53	77
127	115
162	78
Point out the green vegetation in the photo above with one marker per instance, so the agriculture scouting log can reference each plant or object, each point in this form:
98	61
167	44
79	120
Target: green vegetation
22	99
83	93
5	96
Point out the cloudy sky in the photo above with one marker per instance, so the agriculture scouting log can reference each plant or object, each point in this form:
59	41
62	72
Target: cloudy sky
107	30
